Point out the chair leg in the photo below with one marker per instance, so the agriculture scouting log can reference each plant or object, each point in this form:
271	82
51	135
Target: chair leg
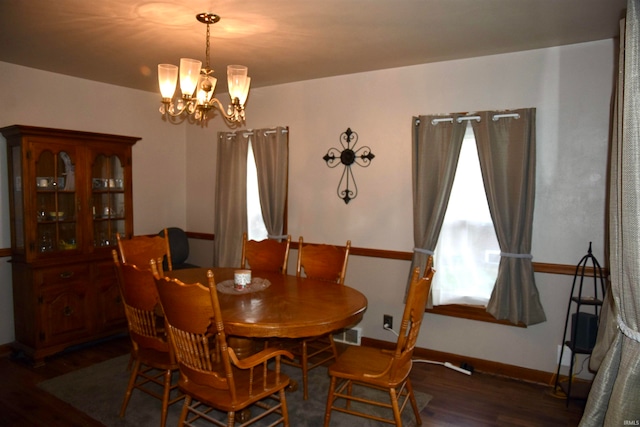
305	370
349	393
414	404
283	408
334	348
131	360
165	397
394	405
130	386
185	410
231	418
330	398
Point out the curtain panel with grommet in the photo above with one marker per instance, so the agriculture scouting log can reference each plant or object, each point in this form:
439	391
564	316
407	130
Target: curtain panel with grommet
271	150
230	219
435	150
507	152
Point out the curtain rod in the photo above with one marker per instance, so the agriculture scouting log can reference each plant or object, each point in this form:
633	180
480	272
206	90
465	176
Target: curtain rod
460	119
250	132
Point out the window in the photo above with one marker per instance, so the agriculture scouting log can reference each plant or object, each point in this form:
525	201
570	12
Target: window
257	230
467	254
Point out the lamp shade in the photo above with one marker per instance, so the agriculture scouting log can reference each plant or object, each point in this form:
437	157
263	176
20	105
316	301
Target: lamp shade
189	75
238	82
245	92
167	79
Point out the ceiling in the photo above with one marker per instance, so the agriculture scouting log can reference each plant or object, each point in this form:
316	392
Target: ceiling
121	41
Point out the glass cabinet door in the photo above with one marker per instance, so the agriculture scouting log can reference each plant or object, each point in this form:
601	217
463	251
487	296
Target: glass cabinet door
56	202
108	199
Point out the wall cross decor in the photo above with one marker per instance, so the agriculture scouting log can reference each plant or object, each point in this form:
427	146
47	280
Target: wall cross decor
348	156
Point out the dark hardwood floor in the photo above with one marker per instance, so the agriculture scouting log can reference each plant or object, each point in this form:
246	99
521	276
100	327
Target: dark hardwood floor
458	399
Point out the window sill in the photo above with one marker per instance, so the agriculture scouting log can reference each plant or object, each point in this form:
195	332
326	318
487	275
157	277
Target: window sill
472	312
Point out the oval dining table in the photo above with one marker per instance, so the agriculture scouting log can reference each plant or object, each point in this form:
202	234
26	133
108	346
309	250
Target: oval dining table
290	307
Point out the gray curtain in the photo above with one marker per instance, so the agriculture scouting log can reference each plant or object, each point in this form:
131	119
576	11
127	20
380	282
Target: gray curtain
615	394
507	152
435	152
231	198
271	151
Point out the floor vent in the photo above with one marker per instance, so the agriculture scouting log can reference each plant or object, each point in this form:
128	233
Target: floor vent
349	336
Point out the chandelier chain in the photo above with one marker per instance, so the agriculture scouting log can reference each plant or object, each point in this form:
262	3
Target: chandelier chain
208	50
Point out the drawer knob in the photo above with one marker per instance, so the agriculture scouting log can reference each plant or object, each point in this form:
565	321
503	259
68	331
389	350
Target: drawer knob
68	311
66	274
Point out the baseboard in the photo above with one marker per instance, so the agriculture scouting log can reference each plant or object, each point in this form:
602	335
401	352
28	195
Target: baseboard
479	365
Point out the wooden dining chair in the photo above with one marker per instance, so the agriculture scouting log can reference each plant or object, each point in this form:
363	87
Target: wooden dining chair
225	383
323	262
138	250
265	255
381	369
327	263
152	356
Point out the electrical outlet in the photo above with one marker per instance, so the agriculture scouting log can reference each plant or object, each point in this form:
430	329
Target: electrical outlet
566	356
387	321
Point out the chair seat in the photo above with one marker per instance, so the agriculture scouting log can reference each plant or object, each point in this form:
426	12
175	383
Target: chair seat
221	399
350	366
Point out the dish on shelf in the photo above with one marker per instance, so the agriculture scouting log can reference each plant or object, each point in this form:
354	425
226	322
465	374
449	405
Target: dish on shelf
49	182
59	216
67	245
103	184
42	182
112	216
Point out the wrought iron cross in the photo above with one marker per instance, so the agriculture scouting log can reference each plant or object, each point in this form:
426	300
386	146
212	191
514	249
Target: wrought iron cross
348	156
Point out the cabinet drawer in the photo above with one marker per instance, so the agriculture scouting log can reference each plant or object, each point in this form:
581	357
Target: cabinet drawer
62	274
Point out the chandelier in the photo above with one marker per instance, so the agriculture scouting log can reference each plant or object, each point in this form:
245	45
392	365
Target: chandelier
197	85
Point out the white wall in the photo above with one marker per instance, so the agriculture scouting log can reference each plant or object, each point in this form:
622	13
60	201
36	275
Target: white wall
36	98
174	169
569	86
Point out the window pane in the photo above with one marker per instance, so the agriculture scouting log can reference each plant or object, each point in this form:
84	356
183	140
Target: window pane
257	230
467	255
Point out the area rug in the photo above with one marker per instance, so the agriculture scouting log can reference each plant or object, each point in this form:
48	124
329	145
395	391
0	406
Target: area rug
99	389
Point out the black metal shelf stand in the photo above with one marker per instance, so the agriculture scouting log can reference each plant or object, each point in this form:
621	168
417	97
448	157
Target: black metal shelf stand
583	324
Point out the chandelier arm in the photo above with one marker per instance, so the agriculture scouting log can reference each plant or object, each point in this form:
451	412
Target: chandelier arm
215	102
175	110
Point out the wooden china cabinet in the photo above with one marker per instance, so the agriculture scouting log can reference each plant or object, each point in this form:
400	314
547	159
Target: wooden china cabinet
69	193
